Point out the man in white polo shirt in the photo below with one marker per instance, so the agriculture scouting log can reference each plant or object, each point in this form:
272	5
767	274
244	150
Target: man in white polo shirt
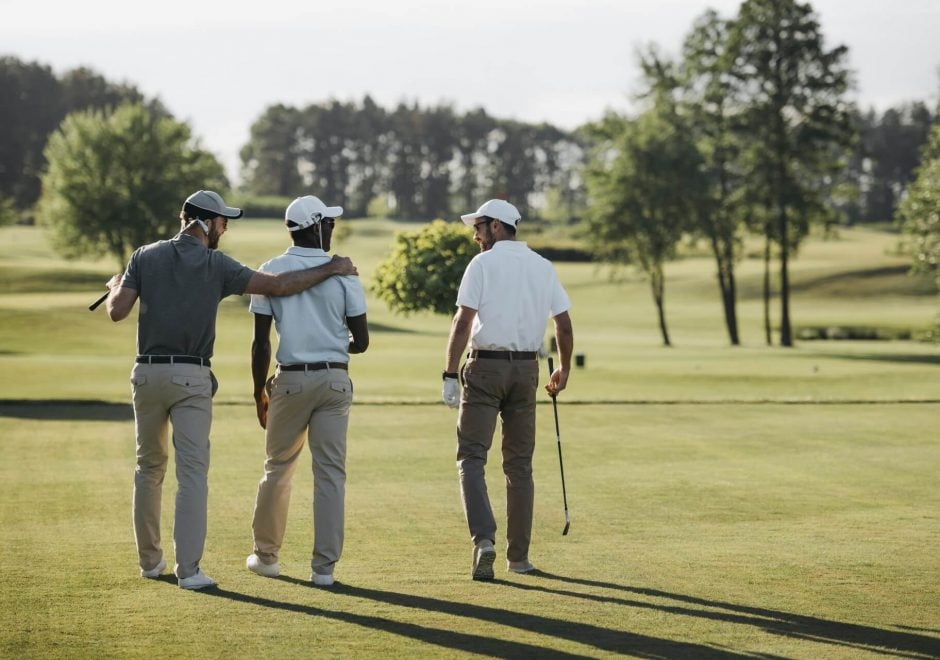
506	296
310	391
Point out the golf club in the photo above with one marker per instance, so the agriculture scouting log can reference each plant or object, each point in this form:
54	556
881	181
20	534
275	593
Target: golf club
104	296
561	463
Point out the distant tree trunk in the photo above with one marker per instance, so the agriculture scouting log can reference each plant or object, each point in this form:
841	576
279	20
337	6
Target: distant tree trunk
724	260
658	284
783	233
768	334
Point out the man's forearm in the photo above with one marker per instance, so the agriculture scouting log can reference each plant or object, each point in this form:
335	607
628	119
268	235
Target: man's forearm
564	337
260	363
457	341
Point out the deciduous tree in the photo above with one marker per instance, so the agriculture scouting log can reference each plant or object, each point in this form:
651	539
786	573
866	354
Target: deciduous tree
116	181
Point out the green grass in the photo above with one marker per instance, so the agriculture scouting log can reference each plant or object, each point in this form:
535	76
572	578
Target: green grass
725	502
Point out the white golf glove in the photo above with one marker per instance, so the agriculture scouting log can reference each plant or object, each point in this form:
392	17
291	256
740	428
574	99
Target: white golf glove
451	392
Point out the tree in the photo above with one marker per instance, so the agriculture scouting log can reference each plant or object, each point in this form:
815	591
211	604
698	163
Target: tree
707	97
33	103
269	159
919	212
424	269
116	181
795	121
644	186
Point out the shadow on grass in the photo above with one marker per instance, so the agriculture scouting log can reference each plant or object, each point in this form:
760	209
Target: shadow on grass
90	410
902	644
902	358
604	639
384	327
466	642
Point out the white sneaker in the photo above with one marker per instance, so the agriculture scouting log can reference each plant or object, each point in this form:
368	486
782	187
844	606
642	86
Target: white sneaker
255	565
483	557
322	580
197	581
154	572
524	566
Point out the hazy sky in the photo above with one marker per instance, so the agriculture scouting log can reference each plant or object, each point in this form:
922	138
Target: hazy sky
219	64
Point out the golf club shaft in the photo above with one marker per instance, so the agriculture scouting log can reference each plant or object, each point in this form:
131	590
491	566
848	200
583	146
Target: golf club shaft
561	462
104	296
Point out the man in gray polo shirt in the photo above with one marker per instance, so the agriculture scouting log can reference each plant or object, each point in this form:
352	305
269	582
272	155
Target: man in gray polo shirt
180	283
506	296
310	393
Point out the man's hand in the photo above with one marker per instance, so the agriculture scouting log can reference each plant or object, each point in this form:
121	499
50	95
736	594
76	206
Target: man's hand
557	382
261	407
114	281
451	392
343	266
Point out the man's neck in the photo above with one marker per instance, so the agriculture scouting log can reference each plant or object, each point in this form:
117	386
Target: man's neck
193	229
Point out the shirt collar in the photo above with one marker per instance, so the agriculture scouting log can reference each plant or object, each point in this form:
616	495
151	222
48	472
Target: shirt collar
305	251
508	245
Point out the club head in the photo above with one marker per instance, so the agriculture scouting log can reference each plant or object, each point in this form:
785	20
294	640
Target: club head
564	532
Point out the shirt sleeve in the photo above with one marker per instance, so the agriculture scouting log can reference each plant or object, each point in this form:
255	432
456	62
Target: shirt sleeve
560	300
470	293
235	276
355	296
131	278
261	304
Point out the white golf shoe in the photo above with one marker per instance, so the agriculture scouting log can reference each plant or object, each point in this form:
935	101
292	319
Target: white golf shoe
322	580
197	581
524	566
154	572
484	554
255	565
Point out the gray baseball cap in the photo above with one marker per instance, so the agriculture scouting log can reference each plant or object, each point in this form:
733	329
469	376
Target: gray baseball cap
212	202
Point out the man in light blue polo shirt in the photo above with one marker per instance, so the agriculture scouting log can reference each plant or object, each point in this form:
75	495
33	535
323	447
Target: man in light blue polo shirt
310	391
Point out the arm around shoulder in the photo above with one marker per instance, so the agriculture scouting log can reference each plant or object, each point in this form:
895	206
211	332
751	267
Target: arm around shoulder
295	281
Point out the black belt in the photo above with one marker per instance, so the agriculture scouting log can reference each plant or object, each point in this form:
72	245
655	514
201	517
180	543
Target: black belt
505	355
313	366
172	359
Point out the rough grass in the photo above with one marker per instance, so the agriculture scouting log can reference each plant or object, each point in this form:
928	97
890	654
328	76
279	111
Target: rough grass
725	502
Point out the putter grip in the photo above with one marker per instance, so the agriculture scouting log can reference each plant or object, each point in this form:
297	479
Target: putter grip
93	306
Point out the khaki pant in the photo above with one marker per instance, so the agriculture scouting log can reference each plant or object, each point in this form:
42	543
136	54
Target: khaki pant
316	402
180	394
506	388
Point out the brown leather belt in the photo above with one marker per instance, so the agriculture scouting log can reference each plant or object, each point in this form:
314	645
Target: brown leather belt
504	355
313	366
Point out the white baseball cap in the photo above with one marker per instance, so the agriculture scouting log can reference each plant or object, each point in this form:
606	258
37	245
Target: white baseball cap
212	202
309	210
495	208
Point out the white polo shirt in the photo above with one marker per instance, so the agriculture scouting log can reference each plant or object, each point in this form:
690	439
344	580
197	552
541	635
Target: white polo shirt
311	325
515	291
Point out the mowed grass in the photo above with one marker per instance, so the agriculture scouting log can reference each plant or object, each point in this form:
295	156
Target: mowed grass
725	502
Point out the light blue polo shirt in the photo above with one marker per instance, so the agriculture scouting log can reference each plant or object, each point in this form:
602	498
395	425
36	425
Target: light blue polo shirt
311	325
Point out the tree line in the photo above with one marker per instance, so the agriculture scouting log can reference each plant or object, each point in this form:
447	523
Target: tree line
420	162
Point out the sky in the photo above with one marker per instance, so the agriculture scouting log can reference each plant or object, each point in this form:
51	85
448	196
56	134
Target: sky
219	64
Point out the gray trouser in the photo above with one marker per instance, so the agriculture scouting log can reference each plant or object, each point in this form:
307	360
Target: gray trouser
180	394
505	387
316	402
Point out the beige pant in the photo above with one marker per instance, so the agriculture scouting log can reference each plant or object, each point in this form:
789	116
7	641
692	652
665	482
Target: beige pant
180	394
316	402
506	388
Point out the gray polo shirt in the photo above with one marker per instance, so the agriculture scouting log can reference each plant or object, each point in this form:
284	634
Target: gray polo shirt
180	283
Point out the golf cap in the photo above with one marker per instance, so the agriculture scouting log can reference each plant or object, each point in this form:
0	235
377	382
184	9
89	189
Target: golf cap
499	209
212	202
309	210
